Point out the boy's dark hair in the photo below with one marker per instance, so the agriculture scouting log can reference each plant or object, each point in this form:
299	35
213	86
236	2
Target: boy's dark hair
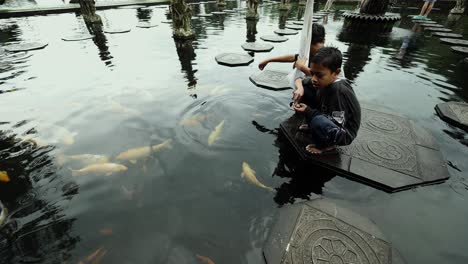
329	57
318	33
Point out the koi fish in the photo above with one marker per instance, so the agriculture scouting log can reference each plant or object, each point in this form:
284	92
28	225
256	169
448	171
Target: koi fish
135	154
103	168
83	158
205	260
249	174
118	108
106	232
4	176
193	120
215	134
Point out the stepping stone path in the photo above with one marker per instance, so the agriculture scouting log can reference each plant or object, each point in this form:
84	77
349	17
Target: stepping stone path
132	7
321	232
295	27
117	30
230	11
274	38
167	22
286	32
205	15
459	42
390	153
438	29
458	49
424	21
234	59
146	25
78	37
257	47
26	47
454	113
298	23
447	35
218	13
272	80
431	25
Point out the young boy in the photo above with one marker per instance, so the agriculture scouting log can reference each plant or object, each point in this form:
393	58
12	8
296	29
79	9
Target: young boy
331	108
318	41
426	9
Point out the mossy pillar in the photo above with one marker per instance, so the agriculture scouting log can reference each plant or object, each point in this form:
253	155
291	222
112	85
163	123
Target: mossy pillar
252	10
285	5
181	20
251	30
221	3
88	11
459	7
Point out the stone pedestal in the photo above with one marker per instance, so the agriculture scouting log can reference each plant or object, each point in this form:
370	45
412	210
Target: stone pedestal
459	7
372	17
252	7
181	20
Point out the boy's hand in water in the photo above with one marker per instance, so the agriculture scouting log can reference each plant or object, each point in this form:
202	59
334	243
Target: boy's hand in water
299	107
262	65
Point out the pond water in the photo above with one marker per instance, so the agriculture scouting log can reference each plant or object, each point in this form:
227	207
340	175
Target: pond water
122	91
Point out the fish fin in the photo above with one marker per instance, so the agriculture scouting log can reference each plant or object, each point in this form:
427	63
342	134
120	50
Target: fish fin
204	259
133	162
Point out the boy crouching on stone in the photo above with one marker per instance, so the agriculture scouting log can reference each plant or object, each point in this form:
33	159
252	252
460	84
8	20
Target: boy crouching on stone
331	108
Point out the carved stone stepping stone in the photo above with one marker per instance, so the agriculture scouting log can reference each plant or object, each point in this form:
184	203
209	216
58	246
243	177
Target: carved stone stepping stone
447	35
218	13
320	232
132	7
454	113
294	27
167	22
117	30
274	38
438	29
234	59
272	80
298	23
286	32
318	16
459	42
257	47
431	25
390	153
26	47
78	37
230	11
205	15
458	49
146	25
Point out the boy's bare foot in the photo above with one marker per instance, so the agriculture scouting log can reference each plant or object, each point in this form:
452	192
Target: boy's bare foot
315	151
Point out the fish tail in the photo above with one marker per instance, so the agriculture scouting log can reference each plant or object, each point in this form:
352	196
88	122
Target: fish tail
169	144
74	172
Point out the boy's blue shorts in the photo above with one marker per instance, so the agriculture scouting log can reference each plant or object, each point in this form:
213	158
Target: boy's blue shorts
324	131
430	1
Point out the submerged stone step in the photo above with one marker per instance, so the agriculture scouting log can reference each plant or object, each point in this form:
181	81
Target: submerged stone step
431	25
319	232
78	37
458	49
257	47
294	27
272	80
433	29
234	59
454	113
117	30
447	35
286	32
26	46
459	42
390	152
146	25
274	38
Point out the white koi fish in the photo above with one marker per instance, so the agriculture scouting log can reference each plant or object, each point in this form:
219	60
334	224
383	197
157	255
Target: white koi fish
215	134
103	168
135	154
85	159
249	174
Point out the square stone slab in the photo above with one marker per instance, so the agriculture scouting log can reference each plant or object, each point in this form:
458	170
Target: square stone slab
458	49
459	42
274	38
273	80
454	113
26	47
234	59
286	32
78	37
438	29
257	47
320	232
117	30
390	152
447	35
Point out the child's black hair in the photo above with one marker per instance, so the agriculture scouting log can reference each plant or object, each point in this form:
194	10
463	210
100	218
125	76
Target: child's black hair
318	33
329	57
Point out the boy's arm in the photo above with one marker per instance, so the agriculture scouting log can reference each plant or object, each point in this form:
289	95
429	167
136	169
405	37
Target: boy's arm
301	65
350	105
285	58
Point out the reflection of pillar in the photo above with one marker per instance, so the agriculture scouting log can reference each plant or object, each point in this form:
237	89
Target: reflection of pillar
374	7
357	57
181	19
252	13
452	19
459	7
283	17
88	11
187	55
302	2
101	42
144	14
300	12
285	5
251	30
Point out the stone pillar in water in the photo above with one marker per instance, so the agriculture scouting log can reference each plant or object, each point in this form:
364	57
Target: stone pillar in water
459	7
283	17
374	7
251	30
252	13
88	11
181	20
221	3
285	5
187	55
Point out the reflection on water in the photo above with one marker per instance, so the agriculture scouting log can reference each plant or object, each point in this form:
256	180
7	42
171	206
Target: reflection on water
62	106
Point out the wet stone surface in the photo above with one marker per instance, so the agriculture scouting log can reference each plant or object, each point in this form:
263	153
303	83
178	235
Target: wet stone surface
424	21
454	113
117	30
286	32
205	15
438	29
294	27
298	23
146	25
431	25
389	153
78	37
26	47
269	79
218	13
458	49
447	35
459	42
274	38
234	59
319	232
257	47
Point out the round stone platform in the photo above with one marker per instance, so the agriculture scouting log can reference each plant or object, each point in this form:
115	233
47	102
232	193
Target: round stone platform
433	29
274	38
26	47
257	47
419	21
205	15
117	30
431	25
447	35
218	13
390	152
294	27
285	32
272	80
298	23
459	42
454	113
78	37
234	59
458	49
146	25
320	232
